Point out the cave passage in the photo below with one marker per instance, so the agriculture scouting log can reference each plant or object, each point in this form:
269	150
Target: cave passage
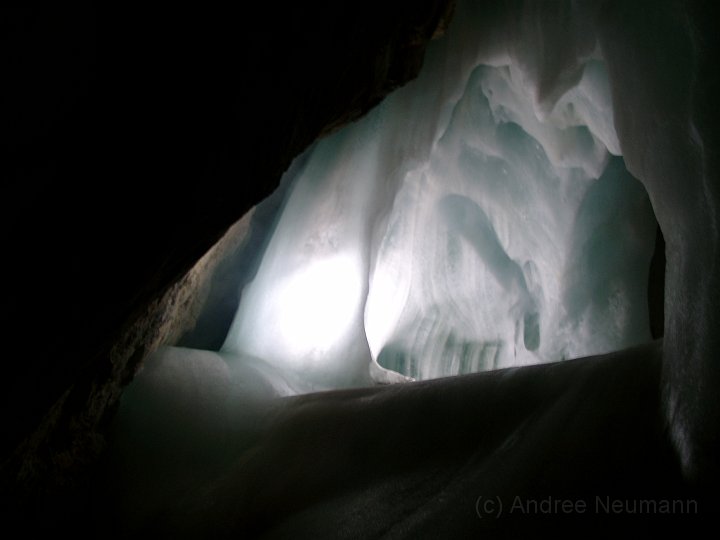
481	217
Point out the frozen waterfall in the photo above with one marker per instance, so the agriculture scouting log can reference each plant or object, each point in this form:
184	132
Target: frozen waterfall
478	218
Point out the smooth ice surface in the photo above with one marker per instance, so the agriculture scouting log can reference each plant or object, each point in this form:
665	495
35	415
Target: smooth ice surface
476	219
196	459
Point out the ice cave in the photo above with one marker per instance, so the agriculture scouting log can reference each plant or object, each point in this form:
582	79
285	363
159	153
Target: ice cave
481	217
469	303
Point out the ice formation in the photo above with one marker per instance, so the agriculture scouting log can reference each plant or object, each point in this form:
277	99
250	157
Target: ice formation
478	218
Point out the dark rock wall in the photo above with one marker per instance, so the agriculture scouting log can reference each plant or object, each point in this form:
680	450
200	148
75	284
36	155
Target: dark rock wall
132	139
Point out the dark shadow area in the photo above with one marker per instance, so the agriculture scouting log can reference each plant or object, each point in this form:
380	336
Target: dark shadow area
656	287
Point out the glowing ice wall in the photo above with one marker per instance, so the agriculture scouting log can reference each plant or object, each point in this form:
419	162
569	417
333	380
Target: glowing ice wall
476	219
304	310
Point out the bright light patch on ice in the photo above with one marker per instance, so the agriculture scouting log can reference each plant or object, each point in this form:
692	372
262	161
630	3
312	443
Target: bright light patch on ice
315	306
